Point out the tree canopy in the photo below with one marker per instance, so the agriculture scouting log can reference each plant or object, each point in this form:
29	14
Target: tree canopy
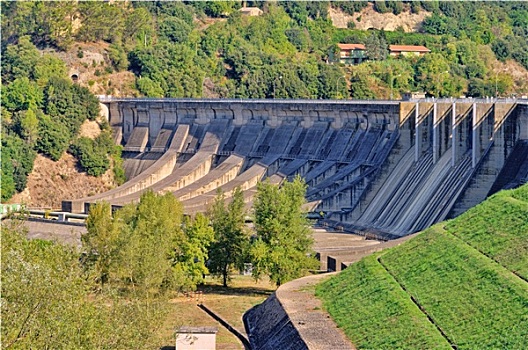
229	248
282	249
148	247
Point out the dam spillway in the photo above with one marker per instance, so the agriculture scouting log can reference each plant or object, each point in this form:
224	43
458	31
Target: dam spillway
387	168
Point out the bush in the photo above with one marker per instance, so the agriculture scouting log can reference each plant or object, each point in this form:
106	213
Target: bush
93	154
118	57
53	138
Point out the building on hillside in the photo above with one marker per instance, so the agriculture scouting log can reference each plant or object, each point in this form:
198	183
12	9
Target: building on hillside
251	11
407	50
351	53
413	95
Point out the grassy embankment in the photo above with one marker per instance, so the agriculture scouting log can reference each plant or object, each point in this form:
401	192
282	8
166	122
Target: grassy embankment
461	283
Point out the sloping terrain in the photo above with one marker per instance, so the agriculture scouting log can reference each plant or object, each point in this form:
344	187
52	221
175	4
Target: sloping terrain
370	19
50	181
460	284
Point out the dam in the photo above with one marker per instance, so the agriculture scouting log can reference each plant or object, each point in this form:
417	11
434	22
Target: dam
382	168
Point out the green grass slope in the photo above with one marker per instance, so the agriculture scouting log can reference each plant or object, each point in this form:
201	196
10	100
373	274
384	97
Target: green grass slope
460	283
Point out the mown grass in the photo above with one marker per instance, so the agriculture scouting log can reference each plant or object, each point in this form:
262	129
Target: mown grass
474	298
498	228
374	312
476	302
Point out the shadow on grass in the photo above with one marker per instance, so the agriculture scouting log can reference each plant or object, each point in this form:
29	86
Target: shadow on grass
248	291
168	347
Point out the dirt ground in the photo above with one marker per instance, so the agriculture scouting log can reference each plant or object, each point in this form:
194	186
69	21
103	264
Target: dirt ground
230	303
369	18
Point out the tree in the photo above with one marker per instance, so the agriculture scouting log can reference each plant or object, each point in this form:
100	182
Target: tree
147	248
433	75
100	21
49	66
376	47
149	88
230	239
27	125
282	249
48	303
92	154
175	30
53	138
189	262
360	88
101	242
22	94
19	60
17	163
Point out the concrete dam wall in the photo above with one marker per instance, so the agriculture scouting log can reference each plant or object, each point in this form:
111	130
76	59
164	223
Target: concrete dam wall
386	168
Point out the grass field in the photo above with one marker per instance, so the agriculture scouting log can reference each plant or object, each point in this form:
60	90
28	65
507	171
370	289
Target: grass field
230	303
498	229
458	283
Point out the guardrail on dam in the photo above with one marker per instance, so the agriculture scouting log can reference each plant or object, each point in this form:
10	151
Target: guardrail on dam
387	168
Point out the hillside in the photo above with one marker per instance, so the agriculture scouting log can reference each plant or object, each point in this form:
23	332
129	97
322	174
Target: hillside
369	18
67	50
462	283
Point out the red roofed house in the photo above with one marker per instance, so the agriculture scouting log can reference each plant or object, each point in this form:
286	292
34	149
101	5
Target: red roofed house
408	50
351	53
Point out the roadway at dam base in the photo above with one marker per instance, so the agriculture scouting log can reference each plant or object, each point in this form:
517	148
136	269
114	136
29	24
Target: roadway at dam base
379	168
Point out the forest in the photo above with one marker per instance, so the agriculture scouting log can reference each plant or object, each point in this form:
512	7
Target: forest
209	49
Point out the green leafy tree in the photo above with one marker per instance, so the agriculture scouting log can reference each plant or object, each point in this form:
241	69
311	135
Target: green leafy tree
22	94
433	74
152	233
118	57
48	303
283	246
101	242
175	30
93	155
17	163
230	238
360	88
376	47
149	88
189	259
27	125
148	248
53	138
100	21
138	24
49	66
7	180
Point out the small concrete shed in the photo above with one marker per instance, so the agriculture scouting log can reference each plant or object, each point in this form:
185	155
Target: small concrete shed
196	338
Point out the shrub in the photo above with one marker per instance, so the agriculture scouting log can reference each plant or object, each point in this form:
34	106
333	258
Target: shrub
53	138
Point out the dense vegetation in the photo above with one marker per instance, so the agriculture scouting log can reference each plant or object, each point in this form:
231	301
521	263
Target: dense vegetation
460	275
42	111
174	48
113	291
49	301
194	49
